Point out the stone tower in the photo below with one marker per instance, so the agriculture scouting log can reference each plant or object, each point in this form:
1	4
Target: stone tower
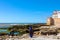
55	19
50	21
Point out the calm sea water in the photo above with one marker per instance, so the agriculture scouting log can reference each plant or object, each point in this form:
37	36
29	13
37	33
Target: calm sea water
5	25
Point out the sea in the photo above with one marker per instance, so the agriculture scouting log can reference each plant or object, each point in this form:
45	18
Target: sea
6	25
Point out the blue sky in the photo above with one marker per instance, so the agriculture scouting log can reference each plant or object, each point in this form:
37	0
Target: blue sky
27	11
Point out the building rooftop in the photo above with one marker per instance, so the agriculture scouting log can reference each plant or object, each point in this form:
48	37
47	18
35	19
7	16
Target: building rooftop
56	14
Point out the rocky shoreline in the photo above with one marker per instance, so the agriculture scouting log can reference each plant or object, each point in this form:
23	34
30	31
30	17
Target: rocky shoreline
26	37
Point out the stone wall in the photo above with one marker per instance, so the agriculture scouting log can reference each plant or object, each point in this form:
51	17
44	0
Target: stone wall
57	22
50	21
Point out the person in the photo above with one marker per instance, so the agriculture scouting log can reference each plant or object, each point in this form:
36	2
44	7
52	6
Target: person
31	31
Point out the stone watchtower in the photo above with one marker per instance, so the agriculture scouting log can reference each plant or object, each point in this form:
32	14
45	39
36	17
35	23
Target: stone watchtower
55	19
50	21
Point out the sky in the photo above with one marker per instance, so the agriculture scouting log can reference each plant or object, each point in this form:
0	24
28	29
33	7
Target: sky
27	11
